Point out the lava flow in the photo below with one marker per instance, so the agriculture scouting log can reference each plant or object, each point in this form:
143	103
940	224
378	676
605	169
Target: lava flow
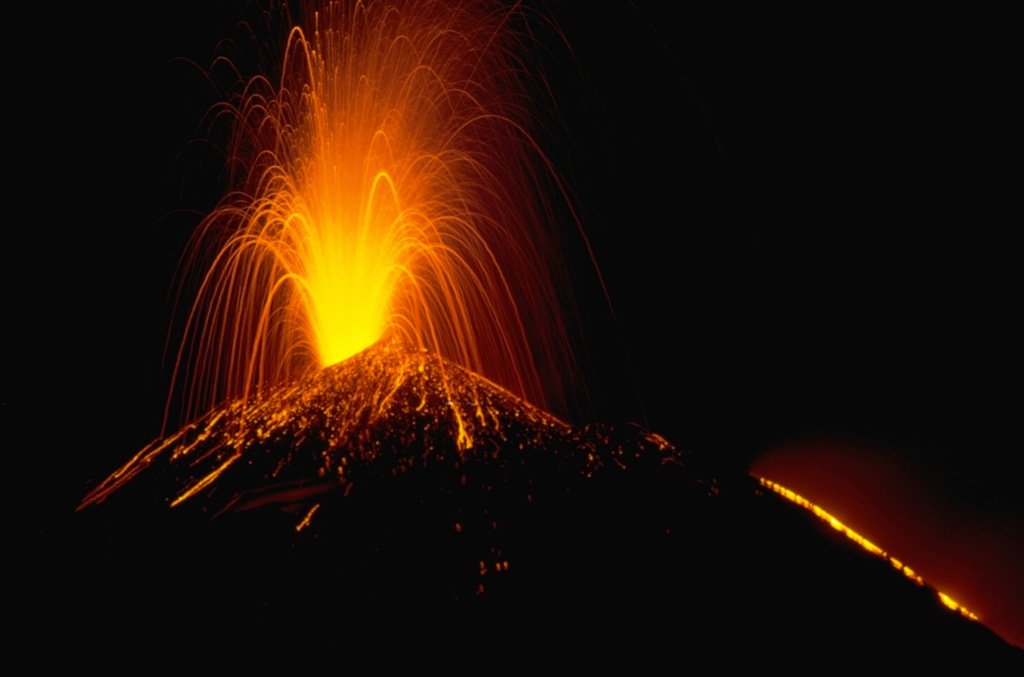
388	185
862	542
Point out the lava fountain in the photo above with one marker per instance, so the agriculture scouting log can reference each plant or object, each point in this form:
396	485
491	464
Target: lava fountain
386	186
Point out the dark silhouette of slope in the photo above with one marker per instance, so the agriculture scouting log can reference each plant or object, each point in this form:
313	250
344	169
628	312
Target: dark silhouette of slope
597	542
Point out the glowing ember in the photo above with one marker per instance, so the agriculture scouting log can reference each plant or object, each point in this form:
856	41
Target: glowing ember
861	541
389	187
391	407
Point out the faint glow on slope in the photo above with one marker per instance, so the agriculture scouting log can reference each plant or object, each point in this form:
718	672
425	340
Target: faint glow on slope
863	542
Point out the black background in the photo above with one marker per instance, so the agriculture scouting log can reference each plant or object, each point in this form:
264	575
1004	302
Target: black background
802	220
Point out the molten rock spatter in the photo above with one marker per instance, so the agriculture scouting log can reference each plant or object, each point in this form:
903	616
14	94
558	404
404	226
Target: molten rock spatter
385	411
386	182
398	481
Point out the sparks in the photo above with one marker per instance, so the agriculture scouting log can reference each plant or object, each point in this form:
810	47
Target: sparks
306	520
390	186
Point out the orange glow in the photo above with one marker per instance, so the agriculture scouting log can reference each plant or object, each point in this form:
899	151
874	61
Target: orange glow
206	480
952	604
308	518
860	540
389	186
347	408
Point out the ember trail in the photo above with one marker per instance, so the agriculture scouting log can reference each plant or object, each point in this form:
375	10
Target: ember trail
390	187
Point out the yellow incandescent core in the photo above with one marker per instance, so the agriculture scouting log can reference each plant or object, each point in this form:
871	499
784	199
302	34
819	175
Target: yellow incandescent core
386	185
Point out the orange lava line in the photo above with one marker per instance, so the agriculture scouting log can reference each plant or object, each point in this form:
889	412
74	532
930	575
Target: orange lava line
863	542
198	486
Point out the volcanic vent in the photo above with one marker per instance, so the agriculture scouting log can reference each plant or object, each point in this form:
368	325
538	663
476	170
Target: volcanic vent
385	411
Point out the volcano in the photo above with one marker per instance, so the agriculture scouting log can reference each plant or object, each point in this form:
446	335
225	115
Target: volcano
399	484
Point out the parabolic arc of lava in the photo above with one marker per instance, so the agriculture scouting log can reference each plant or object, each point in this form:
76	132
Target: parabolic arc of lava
387	184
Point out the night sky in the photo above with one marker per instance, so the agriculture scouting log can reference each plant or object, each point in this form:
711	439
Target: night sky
799	219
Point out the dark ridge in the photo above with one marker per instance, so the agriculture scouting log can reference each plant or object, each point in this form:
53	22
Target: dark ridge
595	542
